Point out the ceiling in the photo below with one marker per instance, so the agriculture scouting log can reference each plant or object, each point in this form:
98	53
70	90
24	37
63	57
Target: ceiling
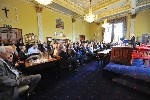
102	8
86	3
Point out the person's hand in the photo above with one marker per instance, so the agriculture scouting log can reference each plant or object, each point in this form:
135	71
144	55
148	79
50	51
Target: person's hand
16	64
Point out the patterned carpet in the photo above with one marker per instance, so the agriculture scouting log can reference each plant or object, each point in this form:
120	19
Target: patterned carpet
85	84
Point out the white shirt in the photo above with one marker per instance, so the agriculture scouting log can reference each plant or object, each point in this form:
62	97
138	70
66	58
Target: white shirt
32	50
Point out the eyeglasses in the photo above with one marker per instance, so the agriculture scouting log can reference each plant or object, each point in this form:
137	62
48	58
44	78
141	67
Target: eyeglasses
11	55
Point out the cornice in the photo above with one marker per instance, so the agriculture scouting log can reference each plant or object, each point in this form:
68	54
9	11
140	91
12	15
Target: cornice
81	11
115	11
58	11
104	4
48	7
70	5
143	2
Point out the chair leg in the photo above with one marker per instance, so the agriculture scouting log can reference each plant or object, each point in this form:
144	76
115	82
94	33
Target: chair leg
23	89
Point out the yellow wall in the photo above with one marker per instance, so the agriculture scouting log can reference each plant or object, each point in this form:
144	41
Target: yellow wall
26	16
49	24
27	20
80	28
142	23
95	31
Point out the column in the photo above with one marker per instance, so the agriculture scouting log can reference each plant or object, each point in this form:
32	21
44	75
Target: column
132	25
73	32
39	19
133	6
133	15
98	32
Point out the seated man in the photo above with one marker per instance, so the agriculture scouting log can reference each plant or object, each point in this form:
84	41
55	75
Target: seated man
10	77
33	50
133	43
22	54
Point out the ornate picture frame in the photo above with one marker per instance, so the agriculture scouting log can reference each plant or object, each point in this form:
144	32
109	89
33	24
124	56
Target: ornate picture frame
59	23
30	38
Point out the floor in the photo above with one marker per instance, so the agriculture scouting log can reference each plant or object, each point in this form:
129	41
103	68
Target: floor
86	83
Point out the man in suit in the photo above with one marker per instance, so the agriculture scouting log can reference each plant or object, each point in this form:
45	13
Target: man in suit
50	49
22	54
11	78
19	44
133	43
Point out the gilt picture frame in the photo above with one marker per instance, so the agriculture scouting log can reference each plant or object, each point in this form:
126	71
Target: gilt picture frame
59	23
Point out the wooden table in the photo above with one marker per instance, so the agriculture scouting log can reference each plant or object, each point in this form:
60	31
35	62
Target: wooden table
144	53
38	66
102	57
122	55
37	62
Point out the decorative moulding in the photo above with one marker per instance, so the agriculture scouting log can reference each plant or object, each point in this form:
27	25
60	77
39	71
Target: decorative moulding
30	38
70	5
115	11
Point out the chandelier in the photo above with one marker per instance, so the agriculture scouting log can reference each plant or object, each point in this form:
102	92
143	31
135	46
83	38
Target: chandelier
90	17
105	25
44	2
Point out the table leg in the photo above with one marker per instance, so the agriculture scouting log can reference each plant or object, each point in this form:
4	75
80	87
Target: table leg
147	62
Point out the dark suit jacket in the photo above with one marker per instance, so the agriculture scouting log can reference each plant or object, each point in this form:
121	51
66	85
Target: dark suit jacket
22	56
133	39
8	82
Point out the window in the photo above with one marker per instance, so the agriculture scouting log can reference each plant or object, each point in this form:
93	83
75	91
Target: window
115	31
118	32
108	34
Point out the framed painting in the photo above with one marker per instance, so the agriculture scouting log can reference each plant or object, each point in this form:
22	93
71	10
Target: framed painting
30	38
59	23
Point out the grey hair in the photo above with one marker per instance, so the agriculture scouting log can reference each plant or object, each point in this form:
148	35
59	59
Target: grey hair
2	49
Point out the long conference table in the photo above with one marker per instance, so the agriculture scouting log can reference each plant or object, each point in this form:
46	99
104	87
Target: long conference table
39	65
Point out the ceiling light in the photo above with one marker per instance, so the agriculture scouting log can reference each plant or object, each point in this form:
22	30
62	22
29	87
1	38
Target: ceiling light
90	17
44	2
